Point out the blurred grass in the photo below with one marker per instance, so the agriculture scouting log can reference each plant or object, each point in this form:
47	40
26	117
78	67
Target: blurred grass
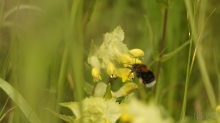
48	40
20	101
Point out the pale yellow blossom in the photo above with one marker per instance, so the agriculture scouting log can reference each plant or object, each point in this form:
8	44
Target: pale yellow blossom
113	50
94	61
95	110
119	33
136	111
103	54
117	48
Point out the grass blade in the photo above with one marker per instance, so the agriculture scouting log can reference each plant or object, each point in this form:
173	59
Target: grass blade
20	7
174	52
1	118
19	101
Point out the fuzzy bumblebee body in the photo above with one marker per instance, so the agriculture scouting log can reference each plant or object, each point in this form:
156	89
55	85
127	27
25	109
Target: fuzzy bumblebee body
144	74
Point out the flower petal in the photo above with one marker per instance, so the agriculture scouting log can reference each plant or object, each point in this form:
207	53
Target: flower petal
111	70
100	89
96	75
125	90
125	74
137	52
125	59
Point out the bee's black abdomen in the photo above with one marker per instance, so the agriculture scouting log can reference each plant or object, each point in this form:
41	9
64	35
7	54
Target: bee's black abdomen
147	77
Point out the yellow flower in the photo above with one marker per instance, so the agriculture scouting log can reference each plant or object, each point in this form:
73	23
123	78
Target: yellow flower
113	49
126	118
113	45
117	49
106	120
111	70
116	35
103	54
125	90
92	58
95	110
125	74
107	38
136	61
137	52
139	112
94	62
118	32
218	109
125	59
96	75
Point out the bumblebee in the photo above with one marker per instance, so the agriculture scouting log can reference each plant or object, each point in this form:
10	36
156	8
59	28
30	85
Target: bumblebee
144	74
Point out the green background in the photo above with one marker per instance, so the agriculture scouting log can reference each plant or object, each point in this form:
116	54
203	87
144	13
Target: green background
44	47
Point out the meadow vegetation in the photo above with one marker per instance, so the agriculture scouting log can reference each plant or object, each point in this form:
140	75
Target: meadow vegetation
45	45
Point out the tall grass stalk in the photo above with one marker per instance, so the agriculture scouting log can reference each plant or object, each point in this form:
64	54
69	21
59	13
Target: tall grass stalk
201	62
62	75
182	116
76	50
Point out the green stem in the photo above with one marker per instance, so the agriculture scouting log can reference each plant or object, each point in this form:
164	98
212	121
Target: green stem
182	116
62	75
161	47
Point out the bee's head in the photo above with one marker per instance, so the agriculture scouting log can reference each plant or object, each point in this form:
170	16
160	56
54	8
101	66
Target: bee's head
134	66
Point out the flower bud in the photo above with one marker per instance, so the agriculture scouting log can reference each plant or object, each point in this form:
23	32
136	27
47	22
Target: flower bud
96	75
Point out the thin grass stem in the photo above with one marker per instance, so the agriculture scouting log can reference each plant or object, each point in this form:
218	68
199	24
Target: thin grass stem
161	47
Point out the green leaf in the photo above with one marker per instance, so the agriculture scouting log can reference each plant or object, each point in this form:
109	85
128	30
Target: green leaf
73	106
69	119
19	101
108	94
173	53
91	9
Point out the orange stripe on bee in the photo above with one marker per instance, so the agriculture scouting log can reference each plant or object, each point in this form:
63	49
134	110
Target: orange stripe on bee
143	68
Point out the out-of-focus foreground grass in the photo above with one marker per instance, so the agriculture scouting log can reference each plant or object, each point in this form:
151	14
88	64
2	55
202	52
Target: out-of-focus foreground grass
44	47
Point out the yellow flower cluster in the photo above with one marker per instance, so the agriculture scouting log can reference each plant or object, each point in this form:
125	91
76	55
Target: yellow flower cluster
113	49
95	110
135	111
102	106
